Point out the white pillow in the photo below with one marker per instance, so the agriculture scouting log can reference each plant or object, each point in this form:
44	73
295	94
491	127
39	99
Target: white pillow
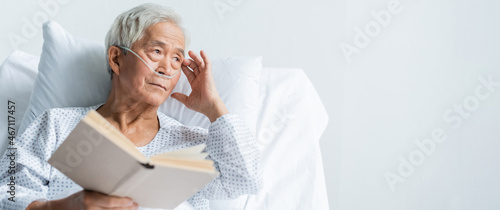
17	76
73	73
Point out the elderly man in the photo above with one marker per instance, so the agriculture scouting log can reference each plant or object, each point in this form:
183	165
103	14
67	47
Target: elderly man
145	49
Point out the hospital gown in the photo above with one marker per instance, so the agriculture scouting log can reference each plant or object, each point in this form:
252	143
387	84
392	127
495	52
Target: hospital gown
230	144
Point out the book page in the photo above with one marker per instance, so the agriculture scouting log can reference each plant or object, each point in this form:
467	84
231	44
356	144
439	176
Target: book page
188	164
168	187
190	150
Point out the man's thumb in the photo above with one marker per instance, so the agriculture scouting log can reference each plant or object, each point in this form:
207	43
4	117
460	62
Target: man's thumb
180	97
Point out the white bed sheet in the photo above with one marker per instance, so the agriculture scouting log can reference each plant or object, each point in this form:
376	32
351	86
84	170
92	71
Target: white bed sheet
290	123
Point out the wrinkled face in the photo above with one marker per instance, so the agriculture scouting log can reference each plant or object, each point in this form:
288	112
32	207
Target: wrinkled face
162	47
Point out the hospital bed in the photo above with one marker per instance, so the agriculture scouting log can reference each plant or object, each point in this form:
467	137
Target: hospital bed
289	122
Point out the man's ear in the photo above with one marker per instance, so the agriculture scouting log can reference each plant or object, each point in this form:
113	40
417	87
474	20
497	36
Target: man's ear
114	54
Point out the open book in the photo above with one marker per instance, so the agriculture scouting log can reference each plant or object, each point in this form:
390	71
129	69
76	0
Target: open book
98	157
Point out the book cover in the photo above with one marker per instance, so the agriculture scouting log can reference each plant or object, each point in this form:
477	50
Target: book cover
98	157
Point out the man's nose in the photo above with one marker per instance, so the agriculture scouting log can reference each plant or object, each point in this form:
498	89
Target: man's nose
165	68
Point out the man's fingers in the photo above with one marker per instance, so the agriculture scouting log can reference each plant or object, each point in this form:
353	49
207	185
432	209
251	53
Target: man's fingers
189	74
115	202
187	61
180	97
133	207
191	63
196	68
205	58
197	59
106	201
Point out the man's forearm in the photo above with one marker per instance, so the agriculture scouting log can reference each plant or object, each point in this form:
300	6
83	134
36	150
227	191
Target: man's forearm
238	160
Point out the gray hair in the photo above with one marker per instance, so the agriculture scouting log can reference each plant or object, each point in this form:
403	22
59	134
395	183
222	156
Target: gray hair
131	25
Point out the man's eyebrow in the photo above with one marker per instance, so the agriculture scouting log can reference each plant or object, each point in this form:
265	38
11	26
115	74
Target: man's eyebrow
160	43
181	51
157	43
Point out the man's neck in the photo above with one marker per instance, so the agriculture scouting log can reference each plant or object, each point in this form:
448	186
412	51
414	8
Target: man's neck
129	116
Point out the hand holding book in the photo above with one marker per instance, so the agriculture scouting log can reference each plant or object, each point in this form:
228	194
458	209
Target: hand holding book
85	200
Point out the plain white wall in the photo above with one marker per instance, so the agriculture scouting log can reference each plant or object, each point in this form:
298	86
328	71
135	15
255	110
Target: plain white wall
386	93
420	117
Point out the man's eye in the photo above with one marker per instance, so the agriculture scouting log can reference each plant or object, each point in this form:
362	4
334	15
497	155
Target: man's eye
157	51
177	59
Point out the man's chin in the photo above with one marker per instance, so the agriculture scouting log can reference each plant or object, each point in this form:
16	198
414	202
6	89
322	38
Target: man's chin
156	101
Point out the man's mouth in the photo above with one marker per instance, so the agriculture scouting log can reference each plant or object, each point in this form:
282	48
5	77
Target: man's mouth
161	86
